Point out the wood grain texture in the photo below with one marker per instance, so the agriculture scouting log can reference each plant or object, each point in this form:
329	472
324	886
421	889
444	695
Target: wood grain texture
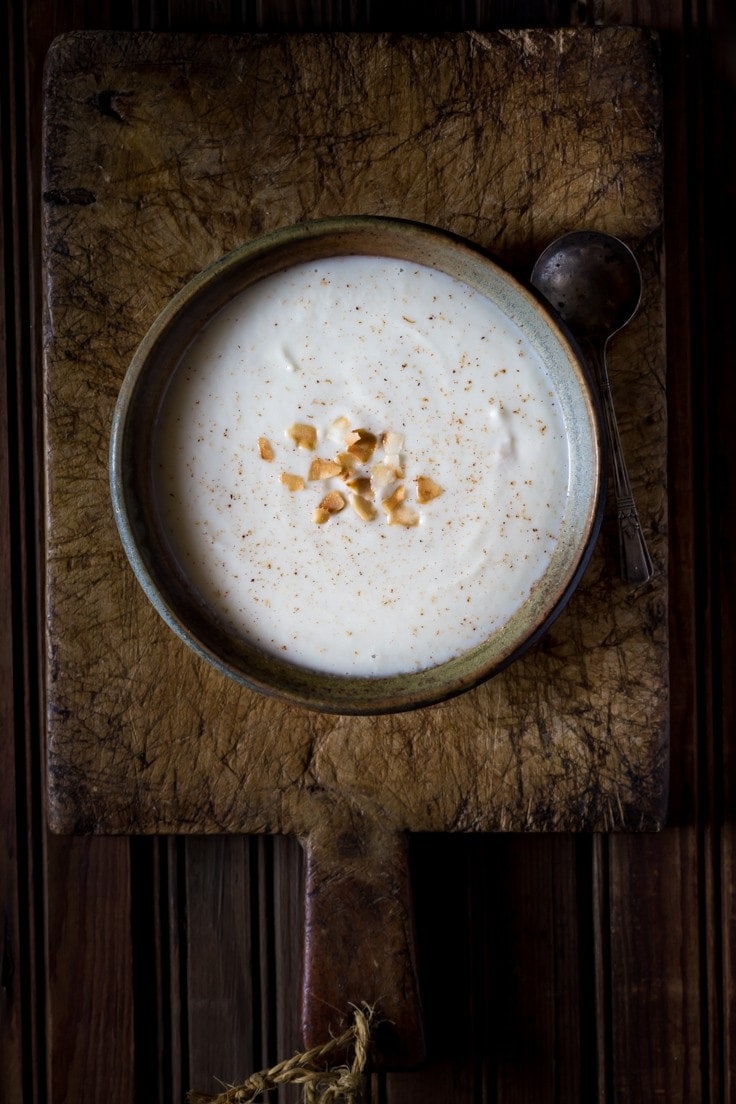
649	928
10	890
10	1002
724	649
652	963
160	159
91	1032
506	965
359	939
221	957
22	1004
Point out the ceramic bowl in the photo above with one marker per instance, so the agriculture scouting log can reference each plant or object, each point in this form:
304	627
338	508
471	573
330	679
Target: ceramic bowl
135	425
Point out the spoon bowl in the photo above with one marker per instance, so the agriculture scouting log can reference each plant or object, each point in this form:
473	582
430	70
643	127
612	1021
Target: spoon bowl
593	282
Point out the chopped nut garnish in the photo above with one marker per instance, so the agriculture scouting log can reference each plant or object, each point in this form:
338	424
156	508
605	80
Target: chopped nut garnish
405	516
265	448
333	502
392	442
427	489
384	474
305	436
394	500
365	510
361	443
361	485
347	461
324	469
352	466
293	482
338	429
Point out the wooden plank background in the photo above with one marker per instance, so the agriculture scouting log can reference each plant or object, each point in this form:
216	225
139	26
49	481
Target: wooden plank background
555	968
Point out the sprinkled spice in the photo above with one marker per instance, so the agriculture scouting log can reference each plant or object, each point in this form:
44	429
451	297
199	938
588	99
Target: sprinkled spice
388	388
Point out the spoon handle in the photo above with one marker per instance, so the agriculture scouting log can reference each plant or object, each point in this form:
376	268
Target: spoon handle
636	563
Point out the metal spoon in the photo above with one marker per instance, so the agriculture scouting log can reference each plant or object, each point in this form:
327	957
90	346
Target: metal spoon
592	280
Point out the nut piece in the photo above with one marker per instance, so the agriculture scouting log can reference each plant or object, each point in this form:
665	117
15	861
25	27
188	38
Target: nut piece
361	484
405	516
265	448
361	443
427	489
305	436
332	503
393	501
365	510
385	473
324	469
396	512
293	482
347	461
338	429
392	442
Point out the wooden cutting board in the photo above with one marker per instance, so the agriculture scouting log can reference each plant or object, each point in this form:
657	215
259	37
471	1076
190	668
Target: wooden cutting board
162	152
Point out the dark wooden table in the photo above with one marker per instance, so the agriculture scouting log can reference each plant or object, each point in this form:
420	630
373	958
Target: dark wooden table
557	968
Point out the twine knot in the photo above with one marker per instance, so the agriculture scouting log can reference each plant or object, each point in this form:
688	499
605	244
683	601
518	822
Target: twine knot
322	1084
256	1083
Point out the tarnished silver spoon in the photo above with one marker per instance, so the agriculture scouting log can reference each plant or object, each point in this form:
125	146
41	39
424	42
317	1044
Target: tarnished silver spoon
592	280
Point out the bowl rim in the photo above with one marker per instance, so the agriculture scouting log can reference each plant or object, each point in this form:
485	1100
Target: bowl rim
169	335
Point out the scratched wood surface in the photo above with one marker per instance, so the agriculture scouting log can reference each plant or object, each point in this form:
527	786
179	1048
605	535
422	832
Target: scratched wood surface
162	153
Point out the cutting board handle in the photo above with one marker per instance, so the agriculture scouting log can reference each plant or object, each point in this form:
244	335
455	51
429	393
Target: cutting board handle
359	941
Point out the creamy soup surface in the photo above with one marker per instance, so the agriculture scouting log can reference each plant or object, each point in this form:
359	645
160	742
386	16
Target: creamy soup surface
468	430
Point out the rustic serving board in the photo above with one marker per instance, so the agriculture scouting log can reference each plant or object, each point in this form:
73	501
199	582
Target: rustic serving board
162	152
